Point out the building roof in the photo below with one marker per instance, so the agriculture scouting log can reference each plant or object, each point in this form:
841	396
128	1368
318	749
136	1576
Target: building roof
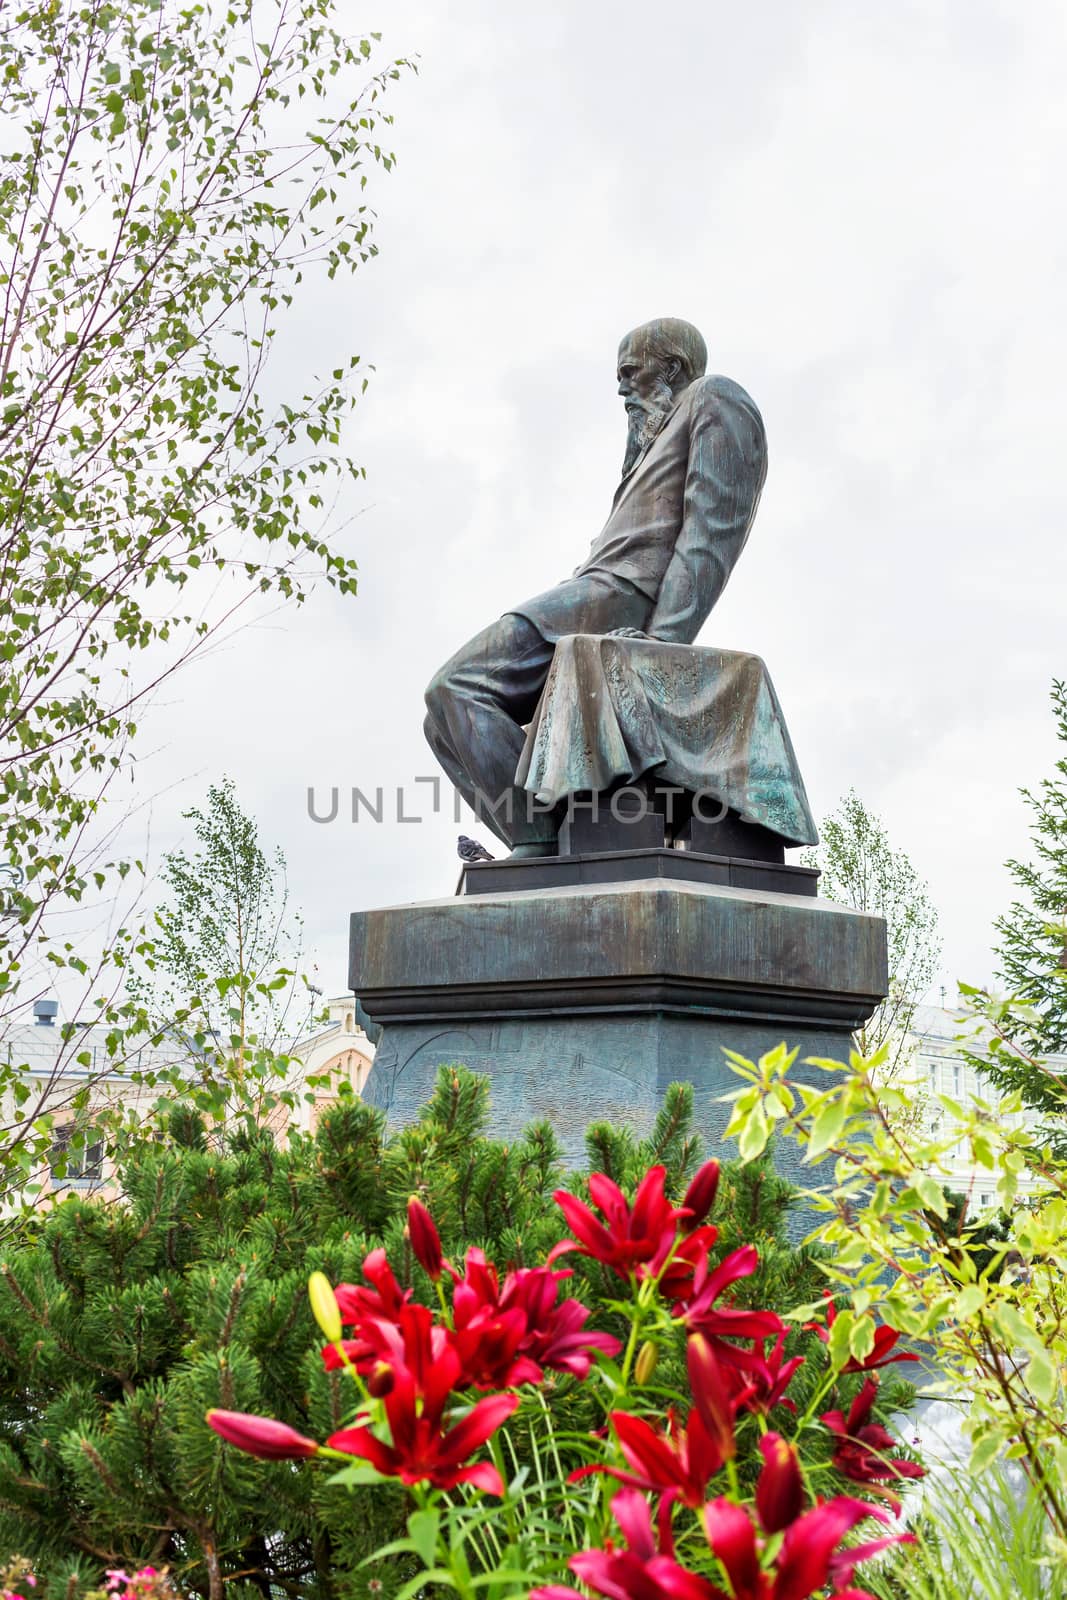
940	1029
39	1050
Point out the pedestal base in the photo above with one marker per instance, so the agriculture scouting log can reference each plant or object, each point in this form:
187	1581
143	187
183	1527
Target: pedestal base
578	1069
584	1002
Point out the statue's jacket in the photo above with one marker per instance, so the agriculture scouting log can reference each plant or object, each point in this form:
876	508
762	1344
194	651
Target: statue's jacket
679	521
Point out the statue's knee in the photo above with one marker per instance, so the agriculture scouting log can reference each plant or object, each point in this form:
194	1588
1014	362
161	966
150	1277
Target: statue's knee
440	696
436	735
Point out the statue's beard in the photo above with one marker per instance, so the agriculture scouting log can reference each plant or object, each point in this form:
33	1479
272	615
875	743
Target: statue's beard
644	419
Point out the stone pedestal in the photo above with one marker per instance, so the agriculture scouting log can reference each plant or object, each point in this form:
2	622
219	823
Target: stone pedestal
584	1000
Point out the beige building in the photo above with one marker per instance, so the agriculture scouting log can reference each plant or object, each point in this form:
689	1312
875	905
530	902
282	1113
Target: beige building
938	1064
59	1073
339	1051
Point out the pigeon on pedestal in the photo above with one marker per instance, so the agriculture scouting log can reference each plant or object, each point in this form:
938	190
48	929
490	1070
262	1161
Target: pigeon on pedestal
471	850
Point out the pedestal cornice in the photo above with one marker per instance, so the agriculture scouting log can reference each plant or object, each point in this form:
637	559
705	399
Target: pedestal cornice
652	945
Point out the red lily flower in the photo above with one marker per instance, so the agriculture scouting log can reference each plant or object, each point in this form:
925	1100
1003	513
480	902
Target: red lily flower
380	1379
700	1313
383	1301
808	1557
632	1241
508	1335
261	1436
358	1352
864	1451
425	1240
477	1287
371	1313
556	1335
716	1394
885	1338
412	1342
486	1336
645	1570
690	1256
769	1376
677	1463
423	1449
732	1537
844	1562
488	1349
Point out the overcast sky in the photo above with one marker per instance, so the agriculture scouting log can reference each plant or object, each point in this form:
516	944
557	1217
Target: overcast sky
861	208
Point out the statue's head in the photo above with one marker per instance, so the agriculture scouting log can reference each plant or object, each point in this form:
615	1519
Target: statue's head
656	362
667	350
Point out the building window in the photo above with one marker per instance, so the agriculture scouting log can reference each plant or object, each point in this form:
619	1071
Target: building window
956	1080
987	1200
82	1164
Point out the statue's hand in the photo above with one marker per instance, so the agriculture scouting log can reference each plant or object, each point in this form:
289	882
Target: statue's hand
626	633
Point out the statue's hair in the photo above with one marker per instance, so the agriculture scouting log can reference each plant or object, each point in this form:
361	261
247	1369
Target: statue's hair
669	337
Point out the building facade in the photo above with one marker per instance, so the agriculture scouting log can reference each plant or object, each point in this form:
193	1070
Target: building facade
71	1077
938	1062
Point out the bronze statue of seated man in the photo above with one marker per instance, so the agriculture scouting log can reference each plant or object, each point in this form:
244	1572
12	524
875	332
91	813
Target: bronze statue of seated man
696	459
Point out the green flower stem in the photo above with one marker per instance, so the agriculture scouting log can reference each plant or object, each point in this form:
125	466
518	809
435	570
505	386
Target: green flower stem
497	1454
598	1518
642	1301
822	1393
351	1370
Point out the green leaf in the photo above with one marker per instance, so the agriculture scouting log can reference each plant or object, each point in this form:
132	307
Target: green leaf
812	1311
850	1254
360	1472
930	1193
840	1338
422	1526
505	1575
1015	1330
969	1301
825	1129
395	1547
1042	1378
778	1102
417	1586
754	1134
861	1339
984	1452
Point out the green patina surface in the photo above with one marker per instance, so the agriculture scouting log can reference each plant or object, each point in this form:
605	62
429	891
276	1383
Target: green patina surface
586	1002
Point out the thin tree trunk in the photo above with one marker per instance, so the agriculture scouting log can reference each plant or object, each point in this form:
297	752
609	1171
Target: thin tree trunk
214	1570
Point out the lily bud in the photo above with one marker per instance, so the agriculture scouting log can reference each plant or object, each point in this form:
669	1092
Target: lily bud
324	1307
710	1395
425	1240
261	1436
647	1357
700	1195
779	1487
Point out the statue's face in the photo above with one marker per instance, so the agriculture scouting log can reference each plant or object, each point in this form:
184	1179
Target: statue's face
641	374
646	383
